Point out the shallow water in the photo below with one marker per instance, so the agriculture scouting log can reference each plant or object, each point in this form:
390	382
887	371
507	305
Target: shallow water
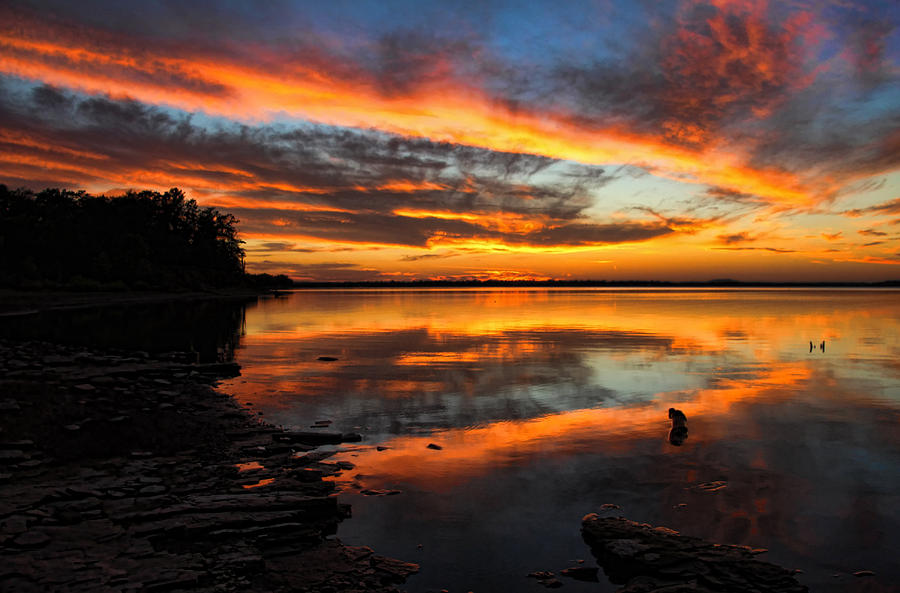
550	403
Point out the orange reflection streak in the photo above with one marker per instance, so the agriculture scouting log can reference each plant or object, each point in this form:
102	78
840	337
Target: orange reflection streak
250	465
473	451
446	110
264	482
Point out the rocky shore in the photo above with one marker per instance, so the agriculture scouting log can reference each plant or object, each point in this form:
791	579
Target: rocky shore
122	471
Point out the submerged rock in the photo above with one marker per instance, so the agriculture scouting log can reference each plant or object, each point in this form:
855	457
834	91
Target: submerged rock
651	559
582	573
308	438
541	574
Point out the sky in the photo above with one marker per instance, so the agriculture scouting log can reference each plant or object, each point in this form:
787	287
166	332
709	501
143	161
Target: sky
393	140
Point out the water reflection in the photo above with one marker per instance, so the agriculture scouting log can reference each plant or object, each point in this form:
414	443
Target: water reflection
210	328
548	404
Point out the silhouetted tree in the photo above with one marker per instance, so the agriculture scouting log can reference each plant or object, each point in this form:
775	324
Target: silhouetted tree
71	239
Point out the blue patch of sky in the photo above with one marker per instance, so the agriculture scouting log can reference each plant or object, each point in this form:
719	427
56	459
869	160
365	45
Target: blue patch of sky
635	187
535	33
881	193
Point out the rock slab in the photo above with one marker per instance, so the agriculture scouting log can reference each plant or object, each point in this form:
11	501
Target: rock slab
647	559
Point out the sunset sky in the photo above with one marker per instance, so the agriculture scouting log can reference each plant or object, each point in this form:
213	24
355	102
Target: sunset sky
385	140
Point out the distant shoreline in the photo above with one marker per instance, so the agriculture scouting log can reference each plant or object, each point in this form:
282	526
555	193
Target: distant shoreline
589	284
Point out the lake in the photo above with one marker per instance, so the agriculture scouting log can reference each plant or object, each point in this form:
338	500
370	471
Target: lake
548	404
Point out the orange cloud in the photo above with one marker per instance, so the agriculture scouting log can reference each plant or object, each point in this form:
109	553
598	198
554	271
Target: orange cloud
441	109
504	222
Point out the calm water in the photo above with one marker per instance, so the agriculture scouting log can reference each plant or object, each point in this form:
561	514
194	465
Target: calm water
550	403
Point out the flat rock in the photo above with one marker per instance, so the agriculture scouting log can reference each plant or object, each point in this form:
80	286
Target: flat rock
656	559
12	456
32	539
541	574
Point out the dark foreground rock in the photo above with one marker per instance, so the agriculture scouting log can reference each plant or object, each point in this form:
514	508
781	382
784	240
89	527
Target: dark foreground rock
125	472
648	559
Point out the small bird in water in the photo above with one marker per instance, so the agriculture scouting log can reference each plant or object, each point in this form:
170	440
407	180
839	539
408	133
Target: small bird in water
822	346
811	346
679	432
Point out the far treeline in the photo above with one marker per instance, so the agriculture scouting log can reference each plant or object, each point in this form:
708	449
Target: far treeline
62	239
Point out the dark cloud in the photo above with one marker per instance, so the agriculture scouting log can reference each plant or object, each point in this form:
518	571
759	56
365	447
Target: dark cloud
735	238
866	49
392	229
427	256
708	69
682	223
771	249
872	233
730	195
404	60
271	246
889	207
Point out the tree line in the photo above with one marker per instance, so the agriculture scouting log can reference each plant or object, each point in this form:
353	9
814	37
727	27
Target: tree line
142	240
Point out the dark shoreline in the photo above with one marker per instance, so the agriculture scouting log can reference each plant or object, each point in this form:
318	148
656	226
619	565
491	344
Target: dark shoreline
123	471
28	302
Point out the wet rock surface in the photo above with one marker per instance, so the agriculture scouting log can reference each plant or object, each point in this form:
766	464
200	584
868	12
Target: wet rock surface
148	493
647	559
